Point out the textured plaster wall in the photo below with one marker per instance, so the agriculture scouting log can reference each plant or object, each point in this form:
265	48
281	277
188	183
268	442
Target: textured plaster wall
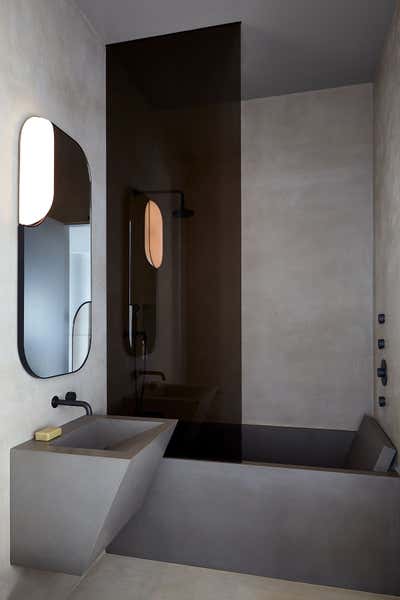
387	225
307	258
51	64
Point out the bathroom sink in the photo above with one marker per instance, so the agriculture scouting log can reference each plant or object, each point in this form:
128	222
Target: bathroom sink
71	496
110	434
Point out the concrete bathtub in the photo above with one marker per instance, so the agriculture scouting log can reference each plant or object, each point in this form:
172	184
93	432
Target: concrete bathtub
324	525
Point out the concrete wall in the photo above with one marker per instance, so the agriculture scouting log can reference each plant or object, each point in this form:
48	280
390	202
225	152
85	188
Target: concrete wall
387	230
307	258
51	65
313	525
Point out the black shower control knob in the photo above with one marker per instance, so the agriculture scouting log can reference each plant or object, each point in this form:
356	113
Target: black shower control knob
382	372
381	318
381	344
382	401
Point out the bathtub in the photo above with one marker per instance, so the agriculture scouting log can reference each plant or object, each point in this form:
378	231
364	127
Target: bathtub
260	444
250	508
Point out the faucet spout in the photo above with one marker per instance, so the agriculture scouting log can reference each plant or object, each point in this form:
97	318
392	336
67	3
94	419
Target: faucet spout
70	400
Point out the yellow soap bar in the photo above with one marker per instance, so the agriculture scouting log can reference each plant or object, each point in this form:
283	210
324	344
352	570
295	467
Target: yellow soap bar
47	434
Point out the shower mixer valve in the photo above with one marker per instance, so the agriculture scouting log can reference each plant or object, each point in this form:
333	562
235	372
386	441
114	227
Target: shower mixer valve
382	372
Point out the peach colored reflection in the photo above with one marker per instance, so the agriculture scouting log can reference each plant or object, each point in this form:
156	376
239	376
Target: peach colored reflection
153	234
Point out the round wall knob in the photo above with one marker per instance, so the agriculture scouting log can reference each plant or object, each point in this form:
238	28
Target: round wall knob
382	372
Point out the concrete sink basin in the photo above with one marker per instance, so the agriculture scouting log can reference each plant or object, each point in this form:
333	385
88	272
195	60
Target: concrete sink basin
111	434
71	496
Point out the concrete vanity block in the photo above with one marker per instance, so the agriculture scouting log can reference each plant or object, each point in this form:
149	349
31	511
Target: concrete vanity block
69	502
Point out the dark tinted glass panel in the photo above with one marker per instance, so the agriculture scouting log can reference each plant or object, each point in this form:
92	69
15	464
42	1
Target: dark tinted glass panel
174	137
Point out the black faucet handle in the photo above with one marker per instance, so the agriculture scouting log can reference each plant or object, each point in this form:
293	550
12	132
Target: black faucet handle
54	401
70	396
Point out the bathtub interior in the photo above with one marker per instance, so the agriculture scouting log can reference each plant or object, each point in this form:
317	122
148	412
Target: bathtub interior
323	448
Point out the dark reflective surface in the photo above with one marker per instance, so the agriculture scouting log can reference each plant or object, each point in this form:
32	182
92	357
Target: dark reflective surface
174	124
229	442
142	280
54	286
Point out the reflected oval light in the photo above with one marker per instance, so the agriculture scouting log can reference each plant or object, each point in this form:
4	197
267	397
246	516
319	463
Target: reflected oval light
153	234
36	170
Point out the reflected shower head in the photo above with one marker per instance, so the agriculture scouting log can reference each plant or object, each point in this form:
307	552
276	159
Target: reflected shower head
182	212
179	213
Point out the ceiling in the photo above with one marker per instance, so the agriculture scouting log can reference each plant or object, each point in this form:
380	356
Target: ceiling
287	45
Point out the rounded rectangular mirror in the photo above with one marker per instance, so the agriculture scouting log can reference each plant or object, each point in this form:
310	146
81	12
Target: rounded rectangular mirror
54	251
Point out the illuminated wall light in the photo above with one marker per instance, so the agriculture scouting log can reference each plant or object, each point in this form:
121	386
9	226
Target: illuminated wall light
36	170
153	234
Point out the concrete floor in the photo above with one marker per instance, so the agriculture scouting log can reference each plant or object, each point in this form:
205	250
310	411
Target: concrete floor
125	578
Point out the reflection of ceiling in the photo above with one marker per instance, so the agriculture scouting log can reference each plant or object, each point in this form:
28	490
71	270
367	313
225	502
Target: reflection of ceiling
288	45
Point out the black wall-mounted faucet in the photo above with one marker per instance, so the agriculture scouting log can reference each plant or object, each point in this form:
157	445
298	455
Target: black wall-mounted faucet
70	400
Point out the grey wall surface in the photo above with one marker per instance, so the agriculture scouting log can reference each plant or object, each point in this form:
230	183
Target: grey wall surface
46	293
310	525
51	65
307	258
387	230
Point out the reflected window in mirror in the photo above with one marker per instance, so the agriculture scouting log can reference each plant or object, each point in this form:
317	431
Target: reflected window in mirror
54	259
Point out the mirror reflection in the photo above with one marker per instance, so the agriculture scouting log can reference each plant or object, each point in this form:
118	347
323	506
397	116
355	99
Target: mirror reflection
54	317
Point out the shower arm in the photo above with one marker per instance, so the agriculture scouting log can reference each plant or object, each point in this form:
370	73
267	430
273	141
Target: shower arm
181	213
159	192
